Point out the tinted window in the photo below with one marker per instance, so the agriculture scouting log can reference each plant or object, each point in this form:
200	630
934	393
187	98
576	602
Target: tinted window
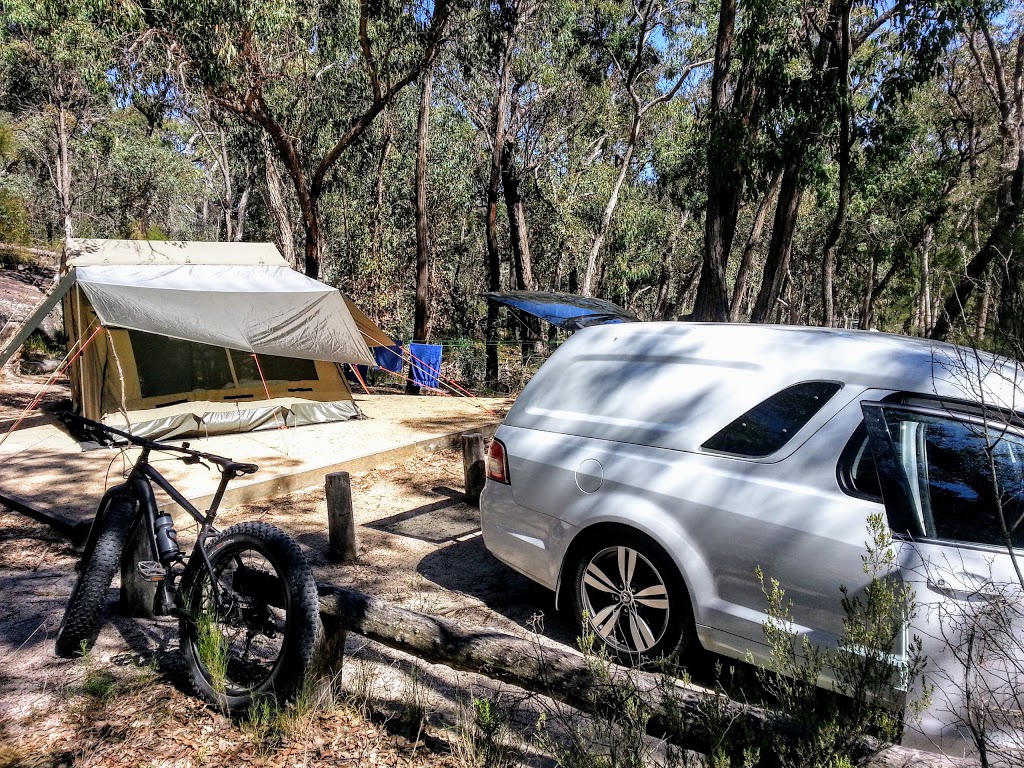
858	467
965	480
770	424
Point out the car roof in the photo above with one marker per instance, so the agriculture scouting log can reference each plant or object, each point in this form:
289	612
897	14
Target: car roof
799	353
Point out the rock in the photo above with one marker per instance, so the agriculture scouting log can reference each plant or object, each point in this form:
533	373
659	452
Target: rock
39	367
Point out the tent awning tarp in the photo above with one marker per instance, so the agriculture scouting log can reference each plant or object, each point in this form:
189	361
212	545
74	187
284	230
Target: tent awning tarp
266	309
565	310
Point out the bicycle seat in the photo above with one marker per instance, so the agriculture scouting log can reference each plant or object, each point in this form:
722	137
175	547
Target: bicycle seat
240	468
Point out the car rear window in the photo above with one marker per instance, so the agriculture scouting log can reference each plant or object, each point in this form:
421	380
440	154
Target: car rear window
772	423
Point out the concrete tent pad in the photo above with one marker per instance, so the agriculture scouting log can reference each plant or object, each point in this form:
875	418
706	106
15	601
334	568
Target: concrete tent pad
44	468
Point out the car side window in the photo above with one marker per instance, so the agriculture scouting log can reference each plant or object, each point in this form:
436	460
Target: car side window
857	472
965	477
770	424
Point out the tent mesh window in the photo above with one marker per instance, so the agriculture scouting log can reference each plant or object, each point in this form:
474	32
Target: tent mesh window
167	366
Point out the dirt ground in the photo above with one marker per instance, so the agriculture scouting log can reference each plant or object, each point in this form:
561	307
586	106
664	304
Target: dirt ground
419	547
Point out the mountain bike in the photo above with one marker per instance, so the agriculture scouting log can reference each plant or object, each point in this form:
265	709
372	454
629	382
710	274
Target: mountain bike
249	619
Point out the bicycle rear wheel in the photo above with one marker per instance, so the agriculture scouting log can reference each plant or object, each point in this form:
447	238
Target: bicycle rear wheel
258	640
84	612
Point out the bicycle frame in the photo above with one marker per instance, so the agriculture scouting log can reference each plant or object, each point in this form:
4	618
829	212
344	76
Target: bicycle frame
139	486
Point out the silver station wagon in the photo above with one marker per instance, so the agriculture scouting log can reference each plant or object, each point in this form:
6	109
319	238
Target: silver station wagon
649	469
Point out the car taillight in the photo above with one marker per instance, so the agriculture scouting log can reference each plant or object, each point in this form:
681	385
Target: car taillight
497	464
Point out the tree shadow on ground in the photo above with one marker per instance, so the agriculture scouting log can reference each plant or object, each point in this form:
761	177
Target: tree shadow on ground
467	567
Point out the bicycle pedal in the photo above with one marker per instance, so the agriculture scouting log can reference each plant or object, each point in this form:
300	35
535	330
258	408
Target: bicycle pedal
151	570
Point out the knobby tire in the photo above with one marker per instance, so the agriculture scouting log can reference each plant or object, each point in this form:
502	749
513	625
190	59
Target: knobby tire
83	615
260	643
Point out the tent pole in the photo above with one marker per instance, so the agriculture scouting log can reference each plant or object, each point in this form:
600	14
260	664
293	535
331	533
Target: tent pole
48	302
259	370
231	366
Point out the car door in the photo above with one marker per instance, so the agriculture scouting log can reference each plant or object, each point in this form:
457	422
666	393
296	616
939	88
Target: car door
953	487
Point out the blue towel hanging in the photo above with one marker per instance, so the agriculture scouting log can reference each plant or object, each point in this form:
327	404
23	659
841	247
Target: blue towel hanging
426	364
390	358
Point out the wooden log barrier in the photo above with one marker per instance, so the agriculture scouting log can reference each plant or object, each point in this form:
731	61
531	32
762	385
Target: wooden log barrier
678	710
473	466
341	522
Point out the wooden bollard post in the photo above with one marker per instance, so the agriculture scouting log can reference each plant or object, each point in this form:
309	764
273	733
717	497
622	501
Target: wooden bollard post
341	523
473	466
137	594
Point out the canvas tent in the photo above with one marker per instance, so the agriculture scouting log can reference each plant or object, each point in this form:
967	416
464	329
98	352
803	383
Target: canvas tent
188	338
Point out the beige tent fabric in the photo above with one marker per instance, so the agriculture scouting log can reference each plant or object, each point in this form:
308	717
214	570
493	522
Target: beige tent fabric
240	296
85	252
372	334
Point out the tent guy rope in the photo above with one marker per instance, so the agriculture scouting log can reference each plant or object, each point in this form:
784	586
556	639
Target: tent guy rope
68	359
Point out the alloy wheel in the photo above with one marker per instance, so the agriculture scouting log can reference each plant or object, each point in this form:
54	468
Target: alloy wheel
626	599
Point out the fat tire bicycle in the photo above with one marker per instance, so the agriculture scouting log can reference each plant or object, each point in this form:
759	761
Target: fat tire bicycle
246	600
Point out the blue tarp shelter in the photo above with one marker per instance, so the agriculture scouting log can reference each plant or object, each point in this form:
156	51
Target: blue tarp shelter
564	310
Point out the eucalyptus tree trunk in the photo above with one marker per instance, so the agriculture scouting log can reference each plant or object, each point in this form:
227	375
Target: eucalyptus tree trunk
867	311
753	241
725	185
828	258
519	240
663	307
63	172
228	197
1008	94
609	209
499	115
925	292
241	208
421	317
984	308
278	206
377	215
780	247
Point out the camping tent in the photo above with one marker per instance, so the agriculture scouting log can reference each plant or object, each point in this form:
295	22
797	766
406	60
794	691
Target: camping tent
188	338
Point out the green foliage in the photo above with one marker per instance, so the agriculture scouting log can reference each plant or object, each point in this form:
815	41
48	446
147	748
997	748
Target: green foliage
731	746
615	735
15	223
99	683
214	650
485	743
264	725
104	683
869	668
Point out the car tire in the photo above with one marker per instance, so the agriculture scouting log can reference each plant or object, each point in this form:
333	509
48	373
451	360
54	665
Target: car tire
628	594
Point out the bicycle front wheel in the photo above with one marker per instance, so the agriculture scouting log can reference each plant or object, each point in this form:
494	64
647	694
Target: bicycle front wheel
254	624
84	612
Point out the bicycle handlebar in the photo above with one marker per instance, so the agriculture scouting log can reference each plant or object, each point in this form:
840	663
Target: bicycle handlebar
225	464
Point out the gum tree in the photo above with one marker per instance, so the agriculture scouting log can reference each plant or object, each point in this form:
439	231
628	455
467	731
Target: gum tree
312	75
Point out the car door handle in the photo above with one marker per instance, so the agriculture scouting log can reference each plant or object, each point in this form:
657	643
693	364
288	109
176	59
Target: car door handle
959	591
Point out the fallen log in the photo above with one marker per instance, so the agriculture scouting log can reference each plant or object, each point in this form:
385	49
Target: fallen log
678	711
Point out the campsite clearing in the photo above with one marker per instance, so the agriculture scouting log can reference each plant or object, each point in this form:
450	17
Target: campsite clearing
418	544
45	469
